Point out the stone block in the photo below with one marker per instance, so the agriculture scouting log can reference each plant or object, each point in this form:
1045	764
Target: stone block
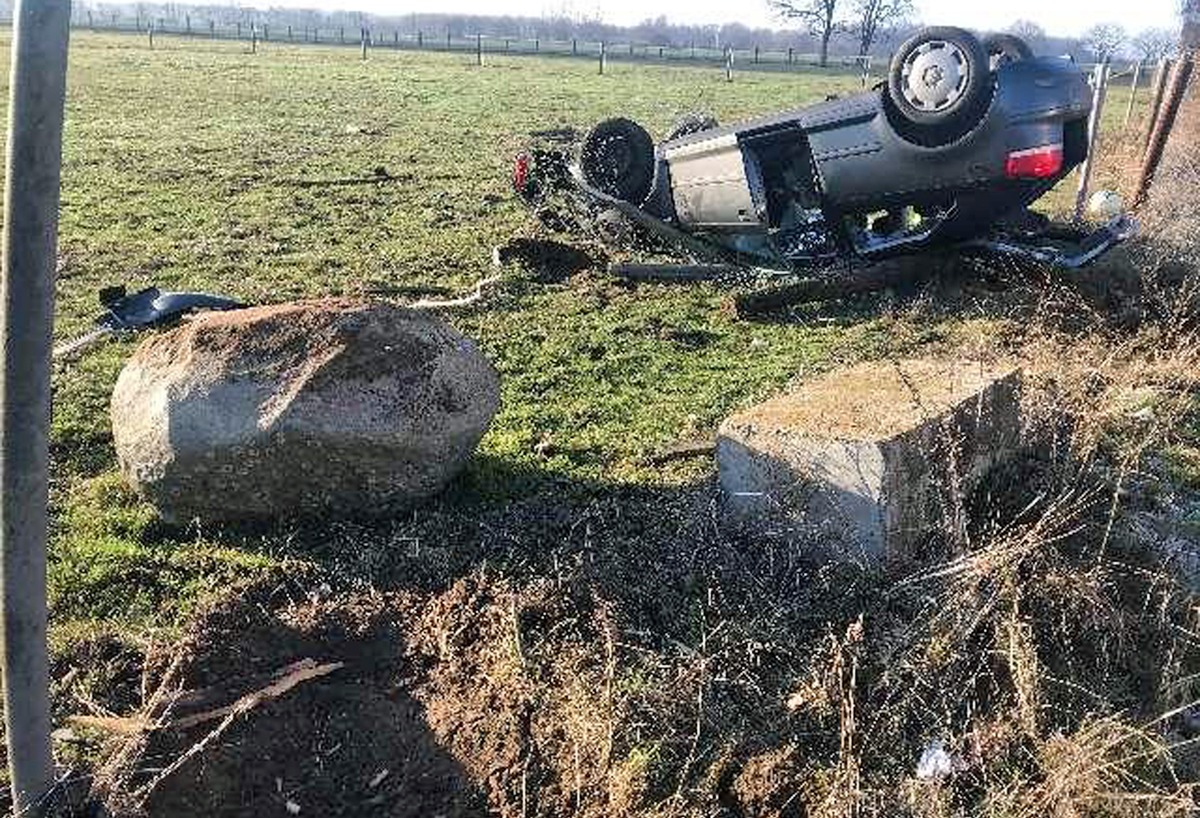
872	459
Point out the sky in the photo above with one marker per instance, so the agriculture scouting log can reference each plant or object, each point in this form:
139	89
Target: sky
1062	17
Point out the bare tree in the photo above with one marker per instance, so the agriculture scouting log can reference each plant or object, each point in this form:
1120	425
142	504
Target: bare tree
1028	31
873	17
820	16
1104	39
1189	10
1155	43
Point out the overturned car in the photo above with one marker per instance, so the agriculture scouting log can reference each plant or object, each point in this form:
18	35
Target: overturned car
951	151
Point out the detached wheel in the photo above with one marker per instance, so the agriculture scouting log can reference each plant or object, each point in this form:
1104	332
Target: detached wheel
1006	48
692	123
940	85
618	158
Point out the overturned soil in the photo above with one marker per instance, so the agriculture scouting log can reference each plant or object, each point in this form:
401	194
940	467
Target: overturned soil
355	742
443	706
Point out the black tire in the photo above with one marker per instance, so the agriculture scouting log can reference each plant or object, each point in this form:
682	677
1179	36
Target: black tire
692	123
618	159
1006	48
952	92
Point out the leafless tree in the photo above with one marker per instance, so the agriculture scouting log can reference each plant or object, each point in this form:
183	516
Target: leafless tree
874	17
820	16
1155	43
1104	39
1028	31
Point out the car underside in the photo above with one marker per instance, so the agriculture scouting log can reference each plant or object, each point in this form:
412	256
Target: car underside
951	152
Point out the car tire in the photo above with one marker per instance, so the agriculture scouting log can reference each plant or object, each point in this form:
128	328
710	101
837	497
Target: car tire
691	124
618	158
939	86
1006	48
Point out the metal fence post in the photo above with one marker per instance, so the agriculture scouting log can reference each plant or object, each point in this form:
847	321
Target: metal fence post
728	64
1133	90
1099	95
38	88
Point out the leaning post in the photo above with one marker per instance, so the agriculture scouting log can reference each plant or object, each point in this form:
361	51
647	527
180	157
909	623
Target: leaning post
36	92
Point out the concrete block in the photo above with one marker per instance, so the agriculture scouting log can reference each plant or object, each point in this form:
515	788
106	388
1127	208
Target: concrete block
870	460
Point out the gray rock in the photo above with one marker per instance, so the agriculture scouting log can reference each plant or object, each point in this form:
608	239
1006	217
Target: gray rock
327	407
869	461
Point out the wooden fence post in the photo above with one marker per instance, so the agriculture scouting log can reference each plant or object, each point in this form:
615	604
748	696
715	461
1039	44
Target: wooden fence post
479	49
603	57
253	38
1181	75
1158	88
364	43
728	64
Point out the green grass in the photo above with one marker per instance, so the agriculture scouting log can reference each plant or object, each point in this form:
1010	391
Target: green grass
180	168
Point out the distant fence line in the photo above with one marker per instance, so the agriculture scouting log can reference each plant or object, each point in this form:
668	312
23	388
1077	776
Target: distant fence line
774	59
765	59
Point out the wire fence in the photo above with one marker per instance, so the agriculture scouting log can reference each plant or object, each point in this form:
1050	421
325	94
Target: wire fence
775	59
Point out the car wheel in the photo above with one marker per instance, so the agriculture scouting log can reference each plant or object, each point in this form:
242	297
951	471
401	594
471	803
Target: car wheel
692	123
939	84
618	158
1005	48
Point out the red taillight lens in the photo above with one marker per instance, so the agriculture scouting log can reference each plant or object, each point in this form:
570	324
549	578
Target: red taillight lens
1035	163
521	172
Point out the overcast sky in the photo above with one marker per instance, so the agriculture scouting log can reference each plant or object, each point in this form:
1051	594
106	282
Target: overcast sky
1057	16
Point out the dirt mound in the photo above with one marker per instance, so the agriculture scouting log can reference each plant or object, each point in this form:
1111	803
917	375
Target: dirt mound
354	742
478	695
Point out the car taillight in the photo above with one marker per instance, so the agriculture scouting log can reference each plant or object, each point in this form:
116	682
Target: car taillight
521	172
1035	163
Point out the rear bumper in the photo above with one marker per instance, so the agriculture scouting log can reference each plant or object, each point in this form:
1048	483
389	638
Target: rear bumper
1069	256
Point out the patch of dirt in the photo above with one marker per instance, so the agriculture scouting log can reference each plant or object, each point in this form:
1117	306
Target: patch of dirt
355	742
548	261
477	701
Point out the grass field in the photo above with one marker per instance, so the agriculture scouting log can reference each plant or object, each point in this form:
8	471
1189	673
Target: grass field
181	170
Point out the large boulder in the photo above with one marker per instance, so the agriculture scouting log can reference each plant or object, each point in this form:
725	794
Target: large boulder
327	407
